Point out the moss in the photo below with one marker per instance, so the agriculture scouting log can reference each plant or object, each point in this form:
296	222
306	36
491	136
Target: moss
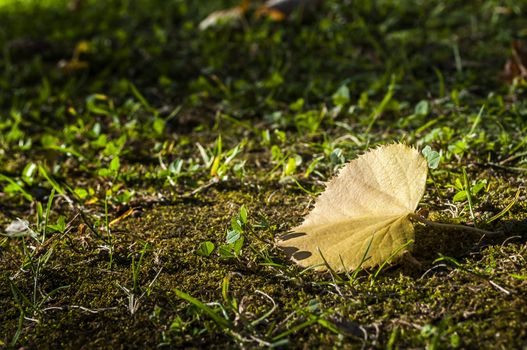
262	86
460	300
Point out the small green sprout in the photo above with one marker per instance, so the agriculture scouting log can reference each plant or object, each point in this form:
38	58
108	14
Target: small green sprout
205	248
432	157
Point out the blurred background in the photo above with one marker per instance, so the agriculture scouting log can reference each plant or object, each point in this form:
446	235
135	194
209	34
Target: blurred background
254	62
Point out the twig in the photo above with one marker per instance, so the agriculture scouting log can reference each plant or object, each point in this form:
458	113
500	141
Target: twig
455	226
432	268
500	288
82	308
210	183
513	157
506	168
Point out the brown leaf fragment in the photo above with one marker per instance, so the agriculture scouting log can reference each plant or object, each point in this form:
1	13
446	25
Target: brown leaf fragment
279	10
516	66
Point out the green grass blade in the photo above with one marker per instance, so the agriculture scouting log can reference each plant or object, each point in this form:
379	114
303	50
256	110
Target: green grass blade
19	188
205	308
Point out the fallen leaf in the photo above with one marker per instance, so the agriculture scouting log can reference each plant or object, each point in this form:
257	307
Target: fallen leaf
516	66
364	212
19	228
225	16
275	15
76	5
278	10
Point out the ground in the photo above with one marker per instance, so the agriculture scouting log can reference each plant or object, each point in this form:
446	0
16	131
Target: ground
155	165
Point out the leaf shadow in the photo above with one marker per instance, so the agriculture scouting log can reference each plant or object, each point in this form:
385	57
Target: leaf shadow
431	243
293	252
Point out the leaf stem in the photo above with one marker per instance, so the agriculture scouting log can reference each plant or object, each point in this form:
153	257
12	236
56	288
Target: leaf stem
454	226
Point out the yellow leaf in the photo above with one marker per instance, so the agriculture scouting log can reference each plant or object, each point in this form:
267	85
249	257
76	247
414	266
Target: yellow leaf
121	217
82	47
366	206
275	15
